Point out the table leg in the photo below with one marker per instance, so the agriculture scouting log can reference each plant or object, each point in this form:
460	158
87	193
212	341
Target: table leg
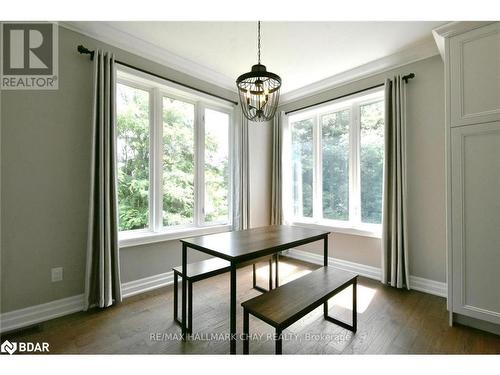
184	287
279	341
246	332
325	251
325	263
354	306
176	292
190	308
232	318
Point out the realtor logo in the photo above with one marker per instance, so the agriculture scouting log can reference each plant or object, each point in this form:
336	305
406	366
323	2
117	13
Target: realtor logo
8	347
29	58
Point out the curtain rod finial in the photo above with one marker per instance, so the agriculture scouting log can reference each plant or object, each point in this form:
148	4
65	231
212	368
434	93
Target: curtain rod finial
408	76
84	50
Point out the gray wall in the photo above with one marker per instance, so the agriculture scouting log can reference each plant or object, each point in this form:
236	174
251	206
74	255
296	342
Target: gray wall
45	156
260	150
426	173
45	144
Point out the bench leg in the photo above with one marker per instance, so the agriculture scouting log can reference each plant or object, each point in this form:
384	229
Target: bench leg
176	296
254	273
277	281
190	308
246	332
184	287
279	344
354	326
355	305
271	273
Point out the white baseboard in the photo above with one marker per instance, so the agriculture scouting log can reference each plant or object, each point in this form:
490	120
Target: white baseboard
360	269
36	314
146	284
417	283
429	286
40	313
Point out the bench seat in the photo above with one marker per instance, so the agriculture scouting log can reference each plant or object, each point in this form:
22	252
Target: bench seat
205	269
212	267
283	306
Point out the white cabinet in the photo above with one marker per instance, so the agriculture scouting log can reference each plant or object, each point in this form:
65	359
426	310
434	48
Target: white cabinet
471	54
475	221
475	76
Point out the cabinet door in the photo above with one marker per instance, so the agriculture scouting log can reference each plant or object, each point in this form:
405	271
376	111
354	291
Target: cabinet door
475	196
475	76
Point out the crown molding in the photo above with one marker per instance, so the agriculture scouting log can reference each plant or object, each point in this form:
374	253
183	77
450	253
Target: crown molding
420	51
454	28
108	34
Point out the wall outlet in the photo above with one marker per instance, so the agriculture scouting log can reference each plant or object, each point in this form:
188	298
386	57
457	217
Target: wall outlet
57	274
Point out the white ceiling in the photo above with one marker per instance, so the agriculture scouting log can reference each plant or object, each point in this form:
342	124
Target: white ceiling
300	52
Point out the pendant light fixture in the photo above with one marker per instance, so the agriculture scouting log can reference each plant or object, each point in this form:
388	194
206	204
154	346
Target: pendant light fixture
259	91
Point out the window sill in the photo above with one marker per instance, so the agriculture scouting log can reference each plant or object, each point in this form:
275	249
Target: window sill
142	238
373	231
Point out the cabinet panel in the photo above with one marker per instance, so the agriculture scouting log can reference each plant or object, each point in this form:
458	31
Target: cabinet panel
476	220
475	76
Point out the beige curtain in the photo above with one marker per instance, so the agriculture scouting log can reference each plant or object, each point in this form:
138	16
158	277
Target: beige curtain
395	266
241	185
102	277
277	170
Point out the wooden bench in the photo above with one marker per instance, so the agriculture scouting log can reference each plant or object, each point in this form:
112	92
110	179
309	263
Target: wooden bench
285	305
208	268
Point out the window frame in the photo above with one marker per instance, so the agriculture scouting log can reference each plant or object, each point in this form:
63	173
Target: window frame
158	89
354	225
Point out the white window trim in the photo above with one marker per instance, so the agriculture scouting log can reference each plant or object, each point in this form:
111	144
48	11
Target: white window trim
158	89
354	226
142	237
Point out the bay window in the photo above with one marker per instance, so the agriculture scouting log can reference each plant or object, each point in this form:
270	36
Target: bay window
173	161
336	160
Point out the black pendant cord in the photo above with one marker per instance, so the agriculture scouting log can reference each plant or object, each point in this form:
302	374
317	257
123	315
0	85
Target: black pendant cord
258	41
84	50
404	78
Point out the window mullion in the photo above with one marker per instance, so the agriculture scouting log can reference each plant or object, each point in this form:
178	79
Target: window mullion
152	162
157	161
354	199
199	184
317	174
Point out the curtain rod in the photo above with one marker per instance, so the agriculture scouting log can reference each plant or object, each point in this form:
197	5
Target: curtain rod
84	50
405	78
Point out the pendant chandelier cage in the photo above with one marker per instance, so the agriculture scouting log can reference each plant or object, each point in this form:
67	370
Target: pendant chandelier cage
259	91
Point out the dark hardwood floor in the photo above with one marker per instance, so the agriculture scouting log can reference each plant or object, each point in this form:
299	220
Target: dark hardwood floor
389	321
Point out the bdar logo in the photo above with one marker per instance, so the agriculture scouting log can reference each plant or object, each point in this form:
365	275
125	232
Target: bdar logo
8	347
24	347
29	56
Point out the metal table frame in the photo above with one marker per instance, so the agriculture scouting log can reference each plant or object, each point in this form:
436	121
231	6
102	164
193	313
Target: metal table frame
234	265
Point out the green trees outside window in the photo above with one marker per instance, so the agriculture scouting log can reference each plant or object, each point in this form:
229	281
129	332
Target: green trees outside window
348	135
372	161
132	108
335	157
180	159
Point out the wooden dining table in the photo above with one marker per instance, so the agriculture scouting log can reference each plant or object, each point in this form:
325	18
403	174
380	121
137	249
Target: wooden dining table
242	246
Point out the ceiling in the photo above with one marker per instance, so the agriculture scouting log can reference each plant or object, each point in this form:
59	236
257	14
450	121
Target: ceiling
300	52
